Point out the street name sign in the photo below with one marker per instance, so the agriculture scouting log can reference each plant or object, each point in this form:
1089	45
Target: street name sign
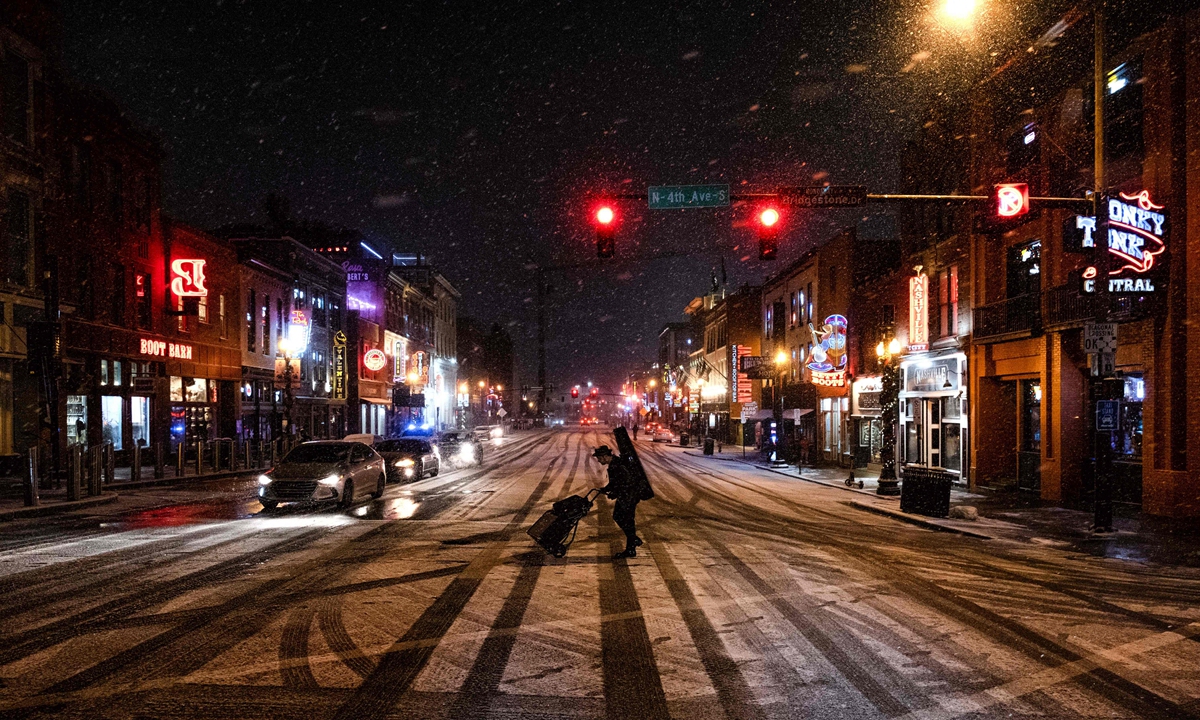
824	196
675	197
1100	338
1108	413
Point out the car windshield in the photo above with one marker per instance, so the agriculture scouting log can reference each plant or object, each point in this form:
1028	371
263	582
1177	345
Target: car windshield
452	437
318	453
405	446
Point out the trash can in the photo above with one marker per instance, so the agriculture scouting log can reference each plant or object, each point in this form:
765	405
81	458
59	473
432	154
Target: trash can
708	446
925	491
684	438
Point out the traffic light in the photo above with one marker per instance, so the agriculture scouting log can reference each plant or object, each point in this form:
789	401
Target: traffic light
574	392
606	246
768	233
595	391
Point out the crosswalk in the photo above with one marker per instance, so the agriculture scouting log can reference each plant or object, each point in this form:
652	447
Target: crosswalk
754	597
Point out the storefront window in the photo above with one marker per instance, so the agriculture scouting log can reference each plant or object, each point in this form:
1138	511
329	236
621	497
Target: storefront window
77	419
139	413
1129	441
193	390
112	409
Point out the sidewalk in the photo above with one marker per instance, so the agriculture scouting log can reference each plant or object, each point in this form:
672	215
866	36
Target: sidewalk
54	501
1008	516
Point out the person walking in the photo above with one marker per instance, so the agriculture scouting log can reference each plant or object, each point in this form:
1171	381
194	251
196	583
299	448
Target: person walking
625	488
635	431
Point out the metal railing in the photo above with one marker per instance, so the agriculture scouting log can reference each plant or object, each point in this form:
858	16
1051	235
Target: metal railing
1021	314
1066	305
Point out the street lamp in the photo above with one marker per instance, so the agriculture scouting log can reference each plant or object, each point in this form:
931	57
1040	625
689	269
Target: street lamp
889	402
285	346
779	455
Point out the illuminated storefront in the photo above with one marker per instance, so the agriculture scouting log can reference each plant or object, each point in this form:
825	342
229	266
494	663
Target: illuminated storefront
933	411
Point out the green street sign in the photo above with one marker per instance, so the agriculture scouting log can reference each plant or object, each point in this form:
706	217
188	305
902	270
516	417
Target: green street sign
674	197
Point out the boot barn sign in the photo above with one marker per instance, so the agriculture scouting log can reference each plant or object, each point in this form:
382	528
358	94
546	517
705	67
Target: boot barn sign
1136	234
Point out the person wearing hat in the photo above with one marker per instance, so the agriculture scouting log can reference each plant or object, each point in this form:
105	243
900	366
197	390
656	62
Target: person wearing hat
625	489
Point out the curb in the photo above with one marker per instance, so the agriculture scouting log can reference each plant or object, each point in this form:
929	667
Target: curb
57	508
915	520
836	486
149	482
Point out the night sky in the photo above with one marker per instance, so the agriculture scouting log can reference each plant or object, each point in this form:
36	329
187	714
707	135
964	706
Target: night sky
475	134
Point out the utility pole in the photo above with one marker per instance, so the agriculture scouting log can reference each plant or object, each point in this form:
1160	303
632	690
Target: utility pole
1102	387
541	339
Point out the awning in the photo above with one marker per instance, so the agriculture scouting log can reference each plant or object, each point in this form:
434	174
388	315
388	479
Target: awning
376	401
793	415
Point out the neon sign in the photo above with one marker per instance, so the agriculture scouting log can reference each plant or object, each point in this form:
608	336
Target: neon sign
1012	199
918	313
1136	235
353	303
374	360
187	278
161	348
827	363
298	332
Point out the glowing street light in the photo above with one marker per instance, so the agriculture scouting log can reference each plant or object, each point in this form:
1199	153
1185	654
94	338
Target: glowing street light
781	358
959	10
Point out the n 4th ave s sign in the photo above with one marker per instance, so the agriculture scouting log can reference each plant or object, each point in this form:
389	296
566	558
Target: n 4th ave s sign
675	197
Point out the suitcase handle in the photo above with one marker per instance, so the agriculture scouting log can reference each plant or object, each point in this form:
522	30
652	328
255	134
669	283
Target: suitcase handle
589	493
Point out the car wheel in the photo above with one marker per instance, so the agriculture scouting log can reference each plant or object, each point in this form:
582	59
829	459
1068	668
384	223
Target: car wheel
269	504
347	495
420	472
379	488
436	470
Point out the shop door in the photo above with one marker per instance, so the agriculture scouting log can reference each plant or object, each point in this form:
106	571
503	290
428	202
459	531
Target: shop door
1029	457
923	432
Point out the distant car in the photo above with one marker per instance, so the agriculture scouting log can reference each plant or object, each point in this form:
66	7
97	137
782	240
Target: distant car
488	432
328	470
409	458
662	434
460	448
414	430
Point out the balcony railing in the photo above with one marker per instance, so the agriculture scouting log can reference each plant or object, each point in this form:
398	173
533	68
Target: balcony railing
1022	314
1065	305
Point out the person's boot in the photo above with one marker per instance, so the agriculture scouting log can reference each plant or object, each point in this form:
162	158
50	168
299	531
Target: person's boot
626	553
637	542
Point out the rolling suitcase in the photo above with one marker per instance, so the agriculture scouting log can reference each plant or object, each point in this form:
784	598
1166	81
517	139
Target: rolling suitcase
562	519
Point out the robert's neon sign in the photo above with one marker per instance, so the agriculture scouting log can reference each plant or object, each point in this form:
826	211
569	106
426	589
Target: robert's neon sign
187	278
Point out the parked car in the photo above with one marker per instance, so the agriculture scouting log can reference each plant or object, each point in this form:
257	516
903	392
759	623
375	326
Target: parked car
364	438
460	448
409	458
327	470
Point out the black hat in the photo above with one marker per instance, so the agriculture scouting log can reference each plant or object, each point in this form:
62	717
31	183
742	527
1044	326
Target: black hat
601	451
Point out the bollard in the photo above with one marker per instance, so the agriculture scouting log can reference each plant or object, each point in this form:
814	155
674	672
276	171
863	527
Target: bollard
246	454
31	481
181	459
160	462
274	446
74	472
110	463
95	469
199	457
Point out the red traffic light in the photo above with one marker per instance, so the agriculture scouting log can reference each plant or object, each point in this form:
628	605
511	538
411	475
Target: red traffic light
595	391
606	244
768	233
574	392
1011	199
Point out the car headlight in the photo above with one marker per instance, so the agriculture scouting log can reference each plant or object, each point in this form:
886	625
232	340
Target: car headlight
406	462
330	479
265	479
466	452
497	432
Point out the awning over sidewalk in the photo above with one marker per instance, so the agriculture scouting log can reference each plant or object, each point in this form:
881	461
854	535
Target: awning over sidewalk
792	415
